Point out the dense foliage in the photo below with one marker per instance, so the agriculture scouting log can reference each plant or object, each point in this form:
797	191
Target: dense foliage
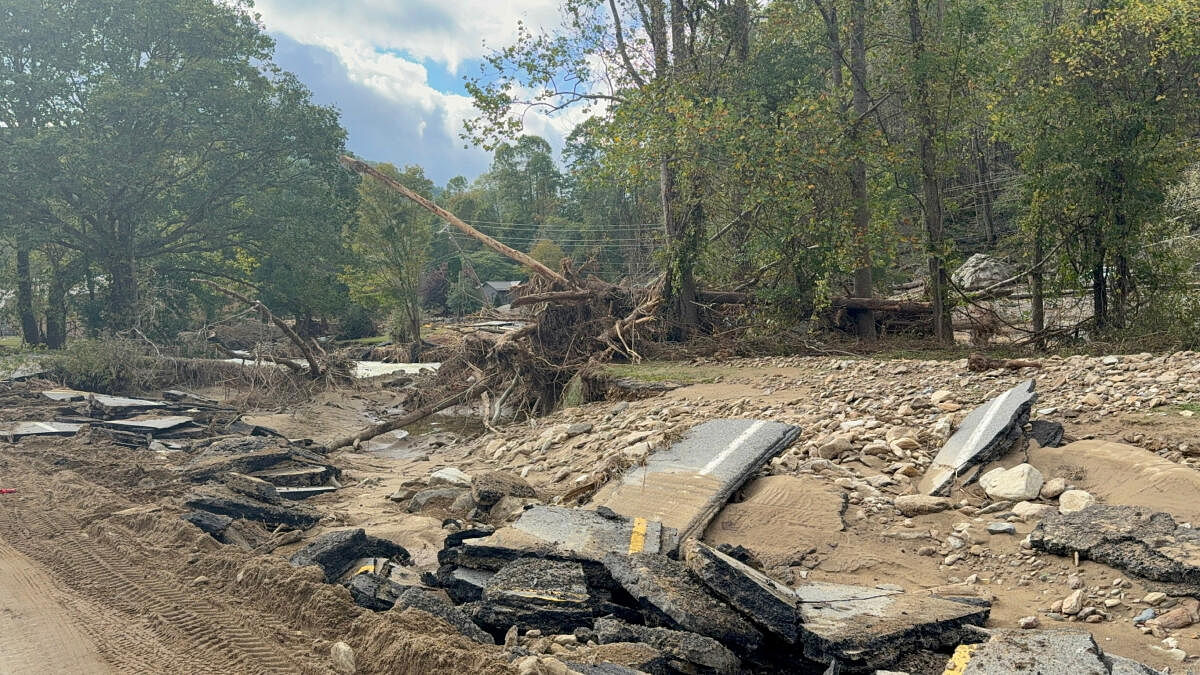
794	149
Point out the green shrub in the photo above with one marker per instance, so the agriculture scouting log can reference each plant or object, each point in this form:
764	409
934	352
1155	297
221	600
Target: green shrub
109	366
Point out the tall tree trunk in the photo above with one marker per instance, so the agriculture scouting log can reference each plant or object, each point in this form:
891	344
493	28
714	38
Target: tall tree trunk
863	282
1099	281
983	177
930	188
122	293
681	216
30	330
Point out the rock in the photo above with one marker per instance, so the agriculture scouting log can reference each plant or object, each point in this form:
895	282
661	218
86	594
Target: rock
834	448
1028	622
766	602
335	552
1053	488
343	658
449	476
1030	511
688	647
1092	400
1073	603
1020	483
1143	542
1186	614
982	271
446	499
490	487
434	603
919	505
987	432
1072	501
670	598
1001	528
1154	597
940	396
578	428
533	593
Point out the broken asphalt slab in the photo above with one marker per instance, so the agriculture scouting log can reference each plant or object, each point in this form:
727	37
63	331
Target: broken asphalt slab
110	402
684	486
866	628
375	591
1040	651
534	593
1147	543
570	534
433	603
335	552
695	650
23	429
765	601
670	598
226	502
986	433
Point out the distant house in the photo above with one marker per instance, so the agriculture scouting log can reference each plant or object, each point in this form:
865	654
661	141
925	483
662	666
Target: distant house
497	293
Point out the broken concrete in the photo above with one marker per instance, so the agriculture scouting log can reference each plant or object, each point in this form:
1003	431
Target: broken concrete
986	433
435	604
298	493
1143	542
570	534
23	429
532	593
670	598
1041	651
686	485
694	650
462	584
226	502
456	499
335	552
765	601
864	628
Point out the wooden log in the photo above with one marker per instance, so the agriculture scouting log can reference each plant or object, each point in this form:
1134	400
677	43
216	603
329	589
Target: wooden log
362	167
724	298
882	305
561	297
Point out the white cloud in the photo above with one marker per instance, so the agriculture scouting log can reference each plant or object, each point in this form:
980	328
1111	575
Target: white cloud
382	45
446	31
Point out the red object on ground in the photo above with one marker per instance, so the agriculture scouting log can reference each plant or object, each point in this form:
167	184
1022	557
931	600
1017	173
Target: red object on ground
6	491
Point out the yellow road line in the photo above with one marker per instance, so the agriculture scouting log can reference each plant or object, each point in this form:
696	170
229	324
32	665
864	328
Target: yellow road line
958	662
637	539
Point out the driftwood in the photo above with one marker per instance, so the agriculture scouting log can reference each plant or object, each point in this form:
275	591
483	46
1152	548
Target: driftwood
556	296
412	417
362	167
724	298
314	364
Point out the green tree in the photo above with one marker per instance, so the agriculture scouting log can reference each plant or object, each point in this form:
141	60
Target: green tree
391	238
173	122
547	252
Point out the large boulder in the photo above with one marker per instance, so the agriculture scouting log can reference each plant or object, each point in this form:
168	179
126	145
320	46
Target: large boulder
1021	483
981	271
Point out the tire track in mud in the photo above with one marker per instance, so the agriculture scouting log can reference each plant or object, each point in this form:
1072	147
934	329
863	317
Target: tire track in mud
37	633
190	634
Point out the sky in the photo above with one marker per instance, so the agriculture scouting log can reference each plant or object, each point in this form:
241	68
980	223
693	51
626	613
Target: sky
394	68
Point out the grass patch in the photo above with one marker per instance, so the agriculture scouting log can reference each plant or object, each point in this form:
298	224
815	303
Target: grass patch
10	342
666	371
1192	406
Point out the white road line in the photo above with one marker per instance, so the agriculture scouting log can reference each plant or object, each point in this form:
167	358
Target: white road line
737	443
